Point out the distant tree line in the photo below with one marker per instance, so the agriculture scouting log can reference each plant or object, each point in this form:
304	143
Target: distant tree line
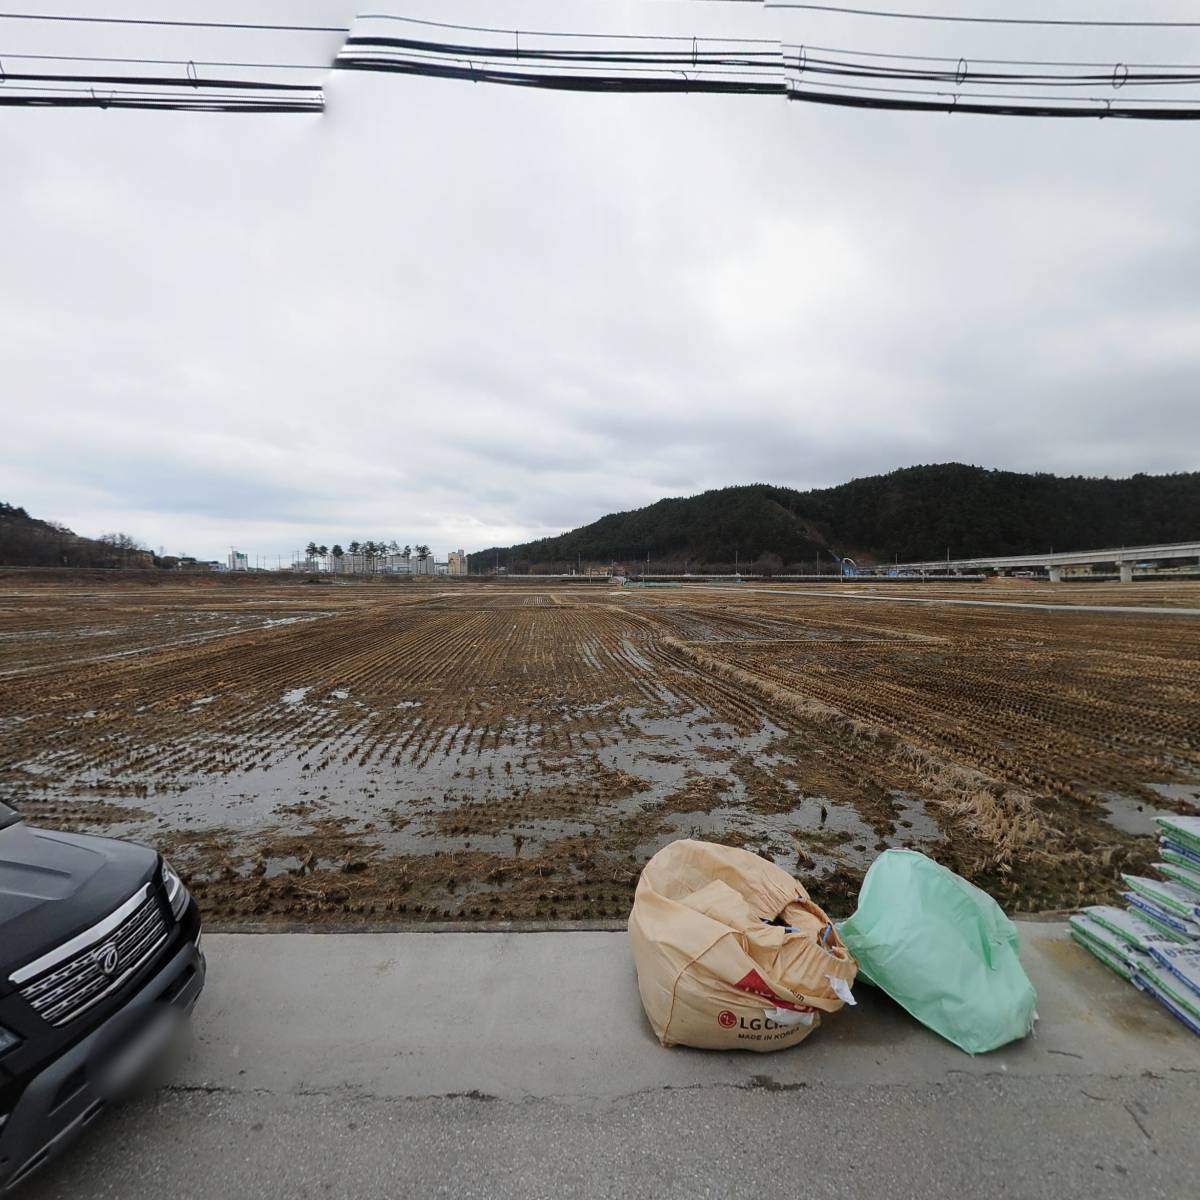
921	512
371	554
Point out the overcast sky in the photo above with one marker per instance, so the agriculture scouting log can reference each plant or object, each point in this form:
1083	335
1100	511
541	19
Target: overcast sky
465	314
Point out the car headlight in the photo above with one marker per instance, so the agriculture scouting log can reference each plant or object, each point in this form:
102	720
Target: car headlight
8	1040
177	894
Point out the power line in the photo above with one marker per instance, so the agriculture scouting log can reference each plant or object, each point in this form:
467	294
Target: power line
902	16
1004	96
693	57
171	62
547	69
147	21
647	37
679	64
629	84
189	90
116	91
629	63
1000	62
161	81
422	56
953	104
1117	76
175	101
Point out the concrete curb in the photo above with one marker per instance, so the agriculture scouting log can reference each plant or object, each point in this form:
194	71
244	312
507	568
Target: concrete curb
609	926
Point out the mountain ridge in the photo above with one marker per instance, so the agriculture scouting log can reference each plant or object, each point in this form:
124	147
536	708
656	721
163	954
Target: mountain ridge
913	513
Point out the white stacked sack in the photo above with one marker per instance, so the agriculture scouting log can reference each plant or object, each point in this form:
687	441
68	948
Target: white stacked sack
1155	941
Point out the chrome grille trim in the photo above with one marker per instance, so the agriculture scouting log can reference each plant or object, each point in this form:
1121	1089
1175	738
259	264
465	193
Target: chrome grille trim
89	937
69	989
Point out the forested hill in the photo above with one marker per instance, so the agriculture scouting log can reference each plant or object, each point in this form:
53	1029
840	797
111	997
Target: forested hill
914	513
26	541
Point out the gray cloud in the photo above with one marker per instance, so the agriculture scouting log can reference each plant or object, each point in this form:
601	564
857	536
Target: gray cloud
462	314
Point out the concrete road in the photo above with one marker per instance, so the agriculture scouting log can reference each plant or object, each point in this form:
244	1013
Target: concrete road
506	1064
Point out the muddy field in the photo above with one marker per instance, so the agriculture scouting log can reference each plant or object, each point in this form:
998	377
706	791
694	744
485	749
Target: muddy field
430	751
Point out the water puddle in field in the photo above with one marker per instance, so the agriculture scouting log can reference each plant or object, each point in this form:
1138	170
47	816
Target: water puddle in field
629	777
1187	792
1132	815
813	839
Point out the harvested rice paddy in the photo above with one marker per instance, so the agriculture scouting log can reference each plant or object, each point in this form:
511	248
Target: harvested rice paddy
436	750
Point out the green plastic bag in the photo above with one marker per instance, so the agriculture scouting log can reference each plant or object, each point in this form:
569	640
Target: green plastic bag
943	950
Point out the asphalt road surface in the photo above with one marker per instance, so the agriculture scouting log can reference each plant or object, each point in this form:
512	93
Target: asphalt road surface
520	1065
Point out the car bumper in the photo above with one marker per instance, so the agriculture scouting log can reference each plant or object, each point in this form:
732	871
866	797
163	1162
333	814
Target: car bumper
67	1096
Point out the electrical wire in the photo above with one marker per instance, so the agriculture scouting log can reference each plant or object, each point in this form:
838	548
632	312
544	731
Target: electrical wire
647	37
160	81
90	98
548	70
1002	62
954	104
631	63
1004	96
171	62
669	58
646	64
902	16
1117	75
539	58
49	85
577	82
148	21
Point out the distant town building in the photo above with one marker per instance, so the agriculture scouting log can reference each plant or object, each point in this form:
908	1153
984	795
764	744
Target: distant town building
457	562
385	564
238	561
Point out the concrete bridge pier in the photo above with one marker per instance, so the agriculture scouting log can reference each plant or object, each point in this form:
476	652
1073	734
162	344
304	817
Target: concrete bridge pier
1056	574
1126	572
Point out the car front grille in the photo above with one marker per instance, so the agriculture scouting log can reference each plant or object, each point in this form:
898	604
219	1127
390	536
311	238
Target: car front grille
67	989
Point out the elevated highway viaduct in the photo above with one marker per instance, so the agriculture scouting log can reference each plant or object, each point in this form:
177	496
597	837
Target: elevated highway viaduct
1122	560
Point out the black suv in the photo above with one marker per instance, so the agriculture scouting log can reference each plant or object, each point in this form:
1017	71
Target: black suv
99	953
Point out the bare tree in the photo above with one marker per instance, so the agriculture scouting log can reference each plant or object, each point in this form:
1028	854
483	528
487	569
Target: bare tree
123	546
